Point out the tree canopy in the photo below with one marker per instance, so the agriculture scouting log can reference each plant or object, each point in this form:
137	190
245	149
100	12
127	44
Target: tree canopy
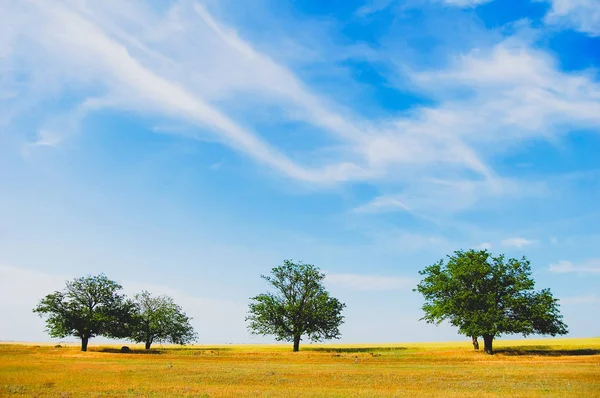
299	306
488	296
88	306
159	319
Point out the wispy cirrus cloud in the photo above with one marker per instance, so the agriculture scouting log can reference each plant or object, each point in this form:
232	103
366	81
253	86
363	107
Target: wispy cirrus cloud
153	73
433	198
487	100
517	86
373	6
591	266
370	282
581	15
71	39
130	70
383	204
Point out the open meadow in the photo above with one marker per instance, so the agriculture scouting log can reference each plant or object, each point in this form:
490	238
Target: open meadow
550	367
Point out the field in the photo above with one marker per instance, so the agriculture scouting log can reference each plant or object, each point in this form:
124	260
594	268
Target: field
556	367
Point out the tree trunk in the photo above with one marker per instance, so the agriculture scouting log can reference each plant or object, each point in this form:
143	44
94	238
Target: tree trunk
475	342
84	343
148	344
487	343
296	343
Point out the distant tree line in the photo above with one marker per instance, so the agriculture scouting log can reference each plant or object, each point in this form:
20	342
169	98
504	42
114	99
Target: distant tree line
480	294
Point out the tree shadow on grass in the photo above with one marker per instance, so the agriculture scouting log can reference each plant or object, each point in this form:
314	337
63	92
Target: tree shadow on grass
546	351
192	348
353	349
131	351
158	351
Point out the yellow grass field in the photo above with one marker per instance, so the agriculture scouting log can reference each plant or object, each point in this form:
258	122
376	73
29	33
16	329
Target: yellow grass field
552	367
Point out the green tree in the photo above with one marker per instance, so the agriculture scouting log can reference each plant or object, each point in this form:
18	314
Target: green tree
88	306
488	296
159	319
299	306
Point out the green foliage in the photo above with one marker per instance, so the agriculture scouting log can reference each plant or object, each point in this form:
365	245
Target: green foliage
89	306
300	306
484	295
159	319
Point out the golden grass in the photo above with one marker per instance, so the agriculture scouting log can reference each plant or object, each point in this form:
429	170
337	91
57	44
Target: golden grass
549	367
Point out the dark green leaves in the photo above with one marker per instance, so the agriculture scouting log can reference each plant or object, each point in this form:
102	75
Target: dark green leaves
159	319
299	305
87	307
91	306
485	295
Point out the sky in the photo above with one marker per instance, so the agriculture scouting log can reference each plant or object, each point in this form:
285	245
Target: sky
187	147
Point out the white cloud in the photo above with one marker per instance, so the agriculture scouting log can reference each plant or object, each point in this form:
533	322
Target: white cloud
587	267
374	6
103	49
48	138
74	41
383	204
520	89
135	75
508	94
430	199
370	282
484	246
581	15
277	80
491	100
517	242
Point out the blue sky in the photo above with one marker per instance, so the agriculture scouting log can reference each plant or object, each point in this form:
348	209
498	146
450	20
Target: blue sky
186	147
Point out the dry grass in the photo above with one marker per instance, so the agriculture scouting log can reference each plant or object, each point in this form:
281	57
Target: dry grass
557	367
